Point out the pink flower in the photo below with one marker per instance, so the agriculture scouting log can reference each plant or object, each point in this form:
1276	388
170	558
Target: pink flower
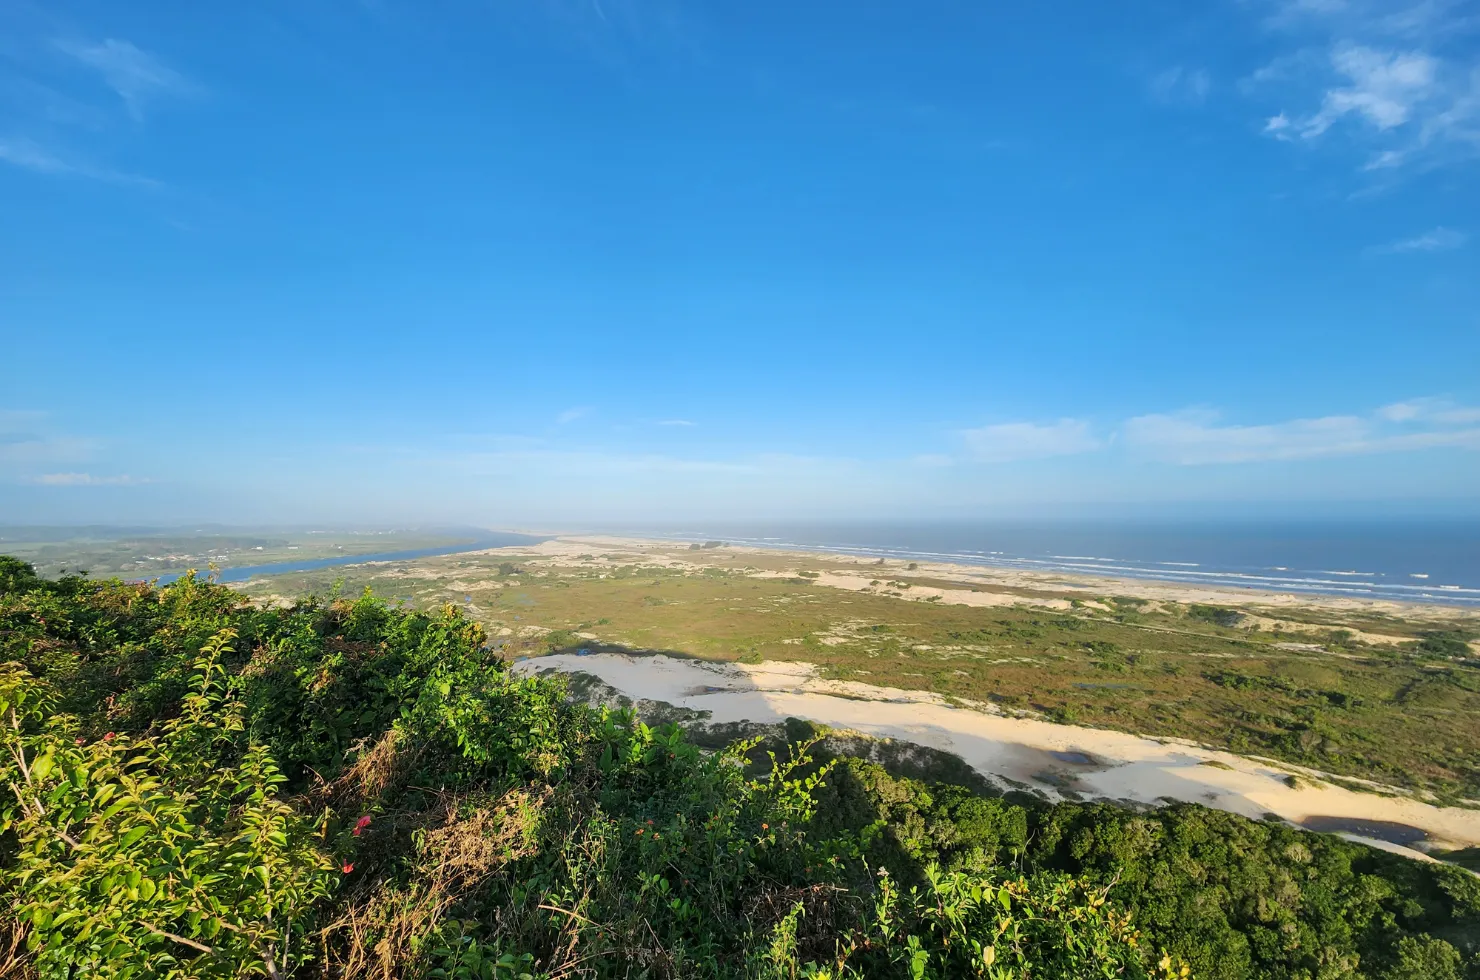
348	867
108	737
361	824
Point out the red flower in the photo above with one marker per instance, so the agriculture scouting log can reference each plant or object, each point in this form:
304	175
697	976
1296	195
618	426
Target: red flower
361	824
108	737
348	867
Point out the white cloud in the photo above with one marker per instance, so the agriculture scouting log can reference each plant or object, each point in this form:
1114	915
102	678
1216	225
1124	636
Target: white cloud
27	439
1401	411
1386	160
1179	84
134	74
678	422
1437	240
85	480
1196	437
1436	411
29	155
571	414
1027	440
1385	88
1297	8
1387	76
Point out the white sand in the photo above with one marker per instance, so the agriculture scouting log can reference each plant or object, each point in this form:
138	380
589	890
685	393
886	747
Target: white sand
1096	763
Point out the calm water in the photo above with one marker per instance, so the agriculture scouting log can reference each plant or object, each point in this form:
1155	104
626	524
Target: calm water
1415	561
241	573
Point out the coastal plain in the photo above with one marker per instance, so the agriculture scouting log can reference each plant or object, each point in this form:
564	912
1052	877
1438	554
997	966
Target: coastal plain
1379	698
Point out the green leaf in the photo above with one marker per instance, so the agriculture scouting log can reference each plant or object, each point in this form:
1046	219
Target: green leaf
919	960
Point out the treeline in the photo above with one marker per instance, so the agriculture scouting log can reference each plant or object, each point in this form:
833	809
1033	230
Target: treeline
200	787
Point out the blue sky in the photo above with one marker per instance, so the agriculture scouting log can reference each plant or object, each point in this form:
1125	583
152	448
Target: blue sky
514	262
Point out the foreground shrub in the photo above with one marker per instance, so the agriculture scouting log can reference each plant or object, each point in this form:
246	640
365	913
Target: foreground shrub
146	856
199	787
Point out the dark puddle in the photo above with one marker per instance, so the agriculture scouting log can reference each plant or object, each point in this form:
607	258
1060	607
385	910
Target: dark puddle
1058	780
1074	758
1383	830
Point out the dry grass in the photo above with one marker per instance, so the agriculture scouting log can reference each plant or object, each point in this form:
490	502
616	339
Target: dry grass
378	772
15	962
386	928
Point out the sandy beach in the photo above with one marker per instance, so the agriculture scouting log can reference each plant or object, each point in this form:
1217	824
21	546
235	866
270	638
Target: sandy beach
984	586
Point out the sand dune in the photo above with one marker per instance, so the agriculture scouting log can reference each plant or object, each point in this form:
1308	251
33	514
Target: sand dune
1048	758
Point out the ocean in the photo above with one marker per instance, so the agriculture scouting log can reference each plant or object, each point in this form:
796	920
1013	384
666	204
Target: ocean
1410	561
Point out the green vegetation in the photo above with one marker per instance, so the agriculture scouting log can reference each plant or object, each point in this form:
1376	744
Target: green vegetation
137	553
200	786
1230	897
1360	695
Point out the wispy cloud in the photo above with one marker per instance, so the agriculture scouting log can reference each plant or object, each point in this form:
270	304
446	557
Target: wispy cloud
1384	88
45	117
571	414
1385	76
29	155
612	32
1440	411
28	439
85	480
1181	85
685	423
1438	240
1197	437
135	75
1028	440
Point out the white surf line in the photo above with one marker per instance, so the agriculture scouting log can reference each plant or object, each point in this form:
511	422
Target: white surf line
1048	757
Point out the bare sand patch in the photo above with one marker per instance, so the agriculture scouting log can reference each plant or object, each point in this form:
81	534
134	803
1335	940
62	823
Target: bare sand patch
1252	621
1054	759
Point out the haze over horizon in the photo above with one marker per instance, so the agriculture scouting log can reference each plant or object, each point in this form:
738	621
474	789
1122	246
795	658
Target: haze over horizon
582	262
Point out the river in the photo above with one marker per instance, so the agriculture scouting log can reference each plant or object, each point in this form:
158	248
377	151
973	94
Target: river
241	573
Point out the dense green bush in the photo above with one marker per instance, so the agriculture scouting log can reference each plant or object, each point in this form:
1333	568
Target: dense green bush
197	786
1231	897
